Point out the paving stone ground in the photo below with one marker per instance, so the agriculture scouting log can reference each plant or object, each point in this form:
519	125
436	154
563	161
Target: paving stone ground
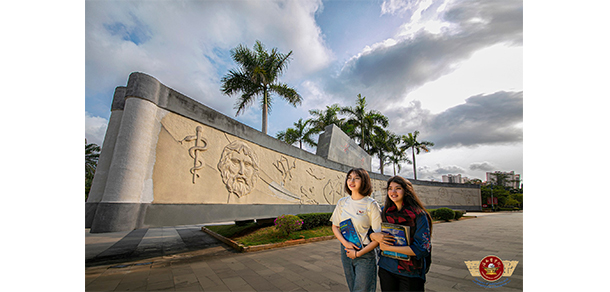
179	259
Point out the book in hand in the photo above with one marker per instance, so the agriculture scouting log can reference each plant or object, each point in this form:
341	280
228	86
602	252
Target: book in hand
401	235
349	232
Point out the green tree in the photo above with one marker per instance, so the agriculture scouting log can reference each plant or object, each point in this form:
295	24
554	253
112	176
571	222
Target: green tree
499	178
258	75
364	122
300	133
498	192
410	141
398	155
383	146
474	181
92	154
323	118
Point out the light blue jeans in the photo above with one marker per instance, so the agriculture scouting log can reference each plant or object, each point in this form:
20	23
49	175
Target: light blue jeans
361	272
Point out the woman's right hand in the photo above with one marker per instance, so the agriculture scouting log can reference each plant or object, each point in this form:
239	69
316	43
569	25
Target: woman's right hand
350	245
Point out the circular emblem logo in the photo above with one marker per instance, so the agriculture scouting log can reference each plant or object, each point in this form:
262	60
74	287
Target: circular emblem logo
491	268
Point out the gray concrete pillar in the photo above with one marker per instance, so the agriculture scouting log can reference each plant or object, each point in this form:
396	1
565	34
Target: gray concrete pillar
101	173
128	187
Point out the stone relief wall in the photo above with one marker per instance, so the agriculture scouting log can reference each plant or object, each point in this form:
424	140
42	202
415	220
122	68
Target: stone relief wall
213	167
444	196
230	170
169	160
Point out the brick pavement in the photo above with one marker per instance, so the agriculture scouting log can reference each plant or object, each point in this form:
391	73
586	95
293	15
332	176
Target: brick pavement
312	266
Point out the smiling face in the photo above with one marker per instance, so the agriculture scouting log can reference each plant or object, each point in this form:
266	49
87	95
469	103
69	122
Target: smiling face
358	181
354	182
396	193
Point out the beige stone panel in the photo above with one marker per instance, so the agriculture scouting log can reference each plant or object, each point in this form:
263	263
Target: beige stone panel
281	179
448	196
174	182
278	179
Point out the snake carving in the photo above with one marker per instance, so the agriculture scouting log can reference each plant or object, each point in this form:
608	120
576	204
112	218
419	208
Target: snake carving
195	150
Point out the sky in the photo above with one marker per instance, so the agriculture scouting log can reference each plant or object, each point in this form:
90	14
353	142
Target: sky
450	69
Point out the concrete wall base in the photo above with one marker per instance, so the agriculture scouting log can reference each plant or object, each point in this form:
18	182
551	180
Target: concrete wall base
185	214
114	217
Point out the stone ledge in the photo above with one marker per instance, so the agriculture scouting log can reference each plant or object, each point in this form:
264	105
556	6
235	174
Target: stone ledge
242	248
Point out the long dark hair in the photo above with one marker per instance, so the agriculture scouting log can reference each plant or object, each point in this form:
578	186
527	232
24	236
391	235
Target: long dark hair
366	187
410	198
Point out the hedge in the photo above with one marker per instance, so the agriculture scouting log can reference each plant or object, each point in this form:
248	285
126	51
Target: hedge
445	214
313	220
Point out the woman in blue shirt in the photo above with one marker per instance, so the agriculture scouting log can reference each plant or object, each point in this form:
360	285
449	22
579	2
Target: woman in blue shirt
403	207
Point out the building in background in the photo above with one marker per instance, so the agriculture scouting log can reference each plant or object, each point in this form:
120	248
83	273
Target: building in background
454	179
507	179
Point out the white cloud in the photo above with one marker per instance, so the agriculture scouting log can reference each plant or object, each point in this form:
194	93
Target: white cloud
485	166
95	129
185	44
489	70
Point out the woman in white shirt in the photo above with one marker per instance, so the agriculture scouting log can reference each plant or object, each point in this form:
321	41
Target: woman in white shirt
359	264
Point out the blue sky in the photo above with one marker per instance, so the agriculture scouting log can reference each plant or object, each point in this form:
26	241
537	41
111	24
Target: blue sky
452	70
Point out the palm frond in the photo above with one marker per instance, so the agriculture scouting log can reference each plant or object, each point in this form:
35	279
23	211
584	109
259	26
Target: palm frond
287	93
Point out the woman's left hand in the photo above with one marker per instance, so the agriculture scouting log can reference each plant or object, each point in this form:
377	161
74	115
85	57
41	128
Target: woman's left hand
383	246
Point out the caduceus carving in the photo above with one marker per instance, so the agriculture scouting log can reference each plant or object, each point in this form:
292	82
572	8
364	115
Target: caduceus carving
195	150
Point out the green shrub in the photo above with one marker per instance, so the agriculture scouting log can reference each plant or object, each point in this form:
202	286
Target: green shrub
458	214
313	220
432	213
288	223
444	214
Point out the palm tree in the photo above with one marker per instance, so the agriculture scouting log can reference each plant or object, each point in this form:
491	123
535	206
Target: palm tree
300	133
258	75
364	122
92	154
397	155
323	118
410	141
383	143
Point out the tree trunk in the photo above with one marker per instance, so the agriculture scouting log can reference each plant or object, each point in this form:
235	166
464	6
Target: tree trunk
381	164
414	167
265	109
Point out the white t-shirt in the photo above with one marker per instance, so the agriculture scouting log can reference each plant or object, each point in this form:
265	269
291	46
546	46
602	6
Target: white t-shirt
365	213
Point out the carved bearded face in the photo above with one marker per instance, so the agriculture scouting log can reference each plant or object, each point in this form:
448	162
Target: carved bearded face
238	167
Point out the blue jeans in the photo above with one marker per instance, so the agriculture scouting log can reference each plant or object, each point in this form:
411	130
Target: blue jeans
361	272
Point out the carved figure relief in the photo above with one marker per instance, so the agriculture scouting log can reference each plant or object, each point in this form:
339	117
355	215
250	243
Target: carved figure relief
306	198
284	167
195	150
318	175
238	167
332	191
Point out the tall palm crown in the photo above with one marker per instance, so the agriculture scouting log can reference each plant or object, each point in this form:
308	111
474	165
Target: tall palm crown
323	118
300	133
364	122
383	143
410	141
258	75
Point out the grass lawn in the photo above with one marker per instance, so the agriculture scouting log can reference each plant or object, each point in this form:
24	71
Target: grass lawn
250	235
